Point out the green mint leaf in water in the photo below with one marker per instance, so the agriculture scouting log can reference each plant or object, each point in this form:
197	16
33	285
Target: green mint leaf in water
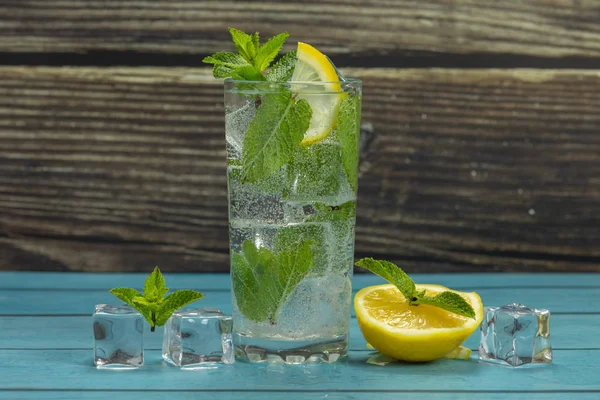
274	134
326	213
283	69
449	301
262	280
391	273
174	302
155	287
314	172
268	51
348	133
253	273
152	305
246	45
294	264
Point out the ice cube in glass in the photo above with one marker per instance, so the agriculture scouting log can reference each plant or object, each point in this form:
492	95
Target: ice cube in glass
515	335
118	337
198	338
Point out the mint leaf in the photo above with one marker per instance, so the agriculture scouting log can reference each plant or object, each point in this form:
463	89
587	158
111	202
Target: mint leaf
247	73
348	132
152	306
256	40
225	63
294	264
144	303
174	302
326	213
262	281
253	272
283	69
125	294
391	273
128	295
319	235
247	45
314	172
155	287
273	135
268	51
449	301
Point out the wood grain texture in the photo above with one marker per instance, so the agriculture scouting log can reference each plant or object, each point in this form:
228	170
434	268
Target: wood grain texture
74	333
64	369
43	302
478	170
547	28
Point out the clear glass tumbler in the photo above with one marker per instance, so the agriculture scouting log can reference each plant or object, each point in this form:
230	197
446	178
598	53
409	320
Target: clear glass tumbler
292	154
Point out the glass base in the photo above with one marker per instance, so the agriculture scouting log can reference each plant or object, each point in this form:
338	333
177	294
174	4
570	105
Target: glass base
256	350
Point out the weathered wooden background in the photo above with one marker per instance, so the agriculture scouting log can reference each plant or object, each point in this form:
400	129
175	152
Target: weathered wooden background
481	124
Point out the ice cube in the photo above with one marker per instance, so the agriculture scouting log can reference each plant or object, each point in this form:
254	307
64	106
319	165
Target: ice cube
118	337
198	338
515	335
236	125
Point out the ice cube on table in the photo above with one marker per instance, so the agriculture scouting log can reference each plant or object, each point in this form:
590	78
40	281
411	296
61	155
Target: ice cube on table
198	338
118	337
515	335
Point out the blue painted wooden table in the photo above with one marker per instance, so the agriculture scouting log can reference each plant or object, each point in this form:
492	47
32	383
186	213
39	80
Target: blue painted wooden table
46	340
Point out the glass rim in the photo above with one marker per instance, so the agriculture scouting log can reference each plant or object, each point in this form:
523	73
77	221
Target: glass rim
311	83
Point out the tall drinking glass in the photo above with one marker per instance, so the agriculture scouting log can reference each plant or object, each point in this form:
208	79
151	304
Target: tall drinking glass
292	154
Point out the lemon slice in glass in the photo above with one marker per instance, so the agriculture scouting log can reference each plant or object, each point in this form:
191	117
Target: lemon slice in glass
314	66
413	333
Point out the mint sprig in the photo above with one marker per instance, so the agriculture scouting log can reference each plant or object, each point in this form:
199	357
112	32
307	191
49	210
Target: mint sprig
448	301
262	280
153	305
251	60
283	69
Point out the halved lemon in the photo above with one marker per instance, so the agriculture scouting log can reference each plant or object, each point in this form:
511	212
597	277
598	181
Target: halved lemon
314	66
413	333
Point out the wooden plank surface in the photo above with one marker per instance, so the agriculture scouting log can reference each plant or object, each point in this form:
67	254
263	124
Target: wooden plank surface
360	28
74	369
64	368
462	170
22	280
47	302
346	395
569	332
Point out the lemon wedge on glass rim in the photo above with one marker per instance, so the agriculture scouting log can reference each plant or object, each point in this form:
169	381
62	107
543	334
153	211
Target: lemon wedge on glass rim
312	66
413	333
